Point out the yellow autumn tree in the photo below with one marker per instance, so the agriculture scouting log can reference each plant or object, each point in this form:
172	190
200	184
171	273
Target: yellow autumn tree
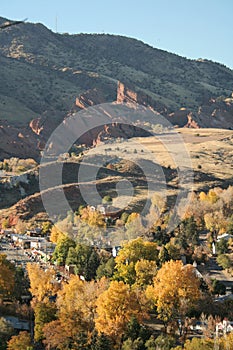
215	222
56	336
211	197
131	253
43	285
92	217
42	282
22	341
56	234
76	309
115	307
76	303
175	290
145	271
227	341
203	196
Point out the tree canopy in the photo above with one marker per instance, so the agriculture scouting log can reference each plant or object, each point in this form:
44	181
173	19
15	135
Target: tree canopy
175	289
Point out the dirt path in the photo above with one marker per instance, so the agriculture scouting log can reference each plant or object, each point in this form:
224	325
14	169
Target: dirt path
214	271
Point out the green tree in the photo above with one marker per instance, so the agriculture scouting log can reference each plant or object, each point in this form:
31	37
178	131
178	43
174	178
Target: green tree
133	329
21	283
72	258
150	344
46	227
92	266
87	261
107	200
197	344
62	248
188	233
106	269
44	313
164	342
101	342
145	271
222	246
6	331
130	344
218	287
163	255
224	261
137	331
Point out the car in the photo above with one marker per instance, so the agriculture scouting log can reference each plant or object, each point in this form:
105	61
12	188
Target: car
198	326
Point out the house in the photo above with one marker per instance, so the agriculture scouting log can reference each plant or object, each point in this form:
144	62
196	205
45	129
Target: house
225	236
17	323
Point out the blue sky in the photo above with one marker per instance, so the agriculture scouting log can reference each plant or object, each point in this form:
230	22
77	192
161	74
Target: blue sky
190	28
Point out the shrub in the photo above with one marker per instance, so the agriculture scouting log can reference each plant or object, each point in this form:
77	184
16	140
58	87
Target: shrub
224	261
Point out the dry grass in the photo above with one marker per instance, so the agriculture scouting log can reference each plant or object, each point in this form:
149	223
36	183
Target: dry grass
208	152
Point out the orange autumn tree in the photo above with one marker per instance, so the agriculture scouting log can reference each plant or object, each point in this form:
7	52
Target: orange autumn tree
22	341
115	307
175	289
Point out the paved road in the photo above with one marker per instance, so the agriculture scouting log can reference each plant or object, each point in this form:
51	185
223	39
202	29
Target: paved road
214	271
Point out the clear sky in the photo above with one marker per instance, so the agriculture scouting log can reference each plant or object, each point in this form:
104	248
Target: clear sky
190	28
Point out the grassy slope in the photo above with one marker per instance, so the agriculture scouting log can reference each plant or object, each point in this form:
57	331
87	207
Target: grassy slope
210	148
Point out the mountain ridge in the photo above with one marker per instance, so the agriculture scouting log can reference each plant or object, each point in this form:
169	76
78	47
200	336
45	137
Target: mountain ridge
44	75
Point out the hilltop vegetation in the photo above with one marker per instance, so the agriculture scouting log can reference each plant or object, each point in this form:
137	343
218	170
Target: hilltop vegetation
45	71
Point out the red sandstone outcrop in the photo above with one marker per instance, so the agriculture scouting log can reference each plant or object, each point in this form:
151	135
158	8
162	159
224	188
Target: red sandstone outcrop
28	142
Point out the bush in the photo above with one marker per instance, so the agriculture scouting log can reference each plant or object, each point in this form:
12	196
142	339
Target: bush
224	261
222	246
107	200
164	342
218	287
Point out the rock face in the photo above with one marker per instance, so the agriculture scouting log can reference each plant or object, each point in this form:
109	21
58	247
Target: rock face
129	95
90	98
217	114
29	141
126	95
17	142
183	118
36	125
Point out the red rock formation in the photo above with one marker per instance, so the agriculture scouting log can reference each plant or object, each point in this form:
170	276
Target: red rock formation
90	98
126	95
183	118
36	125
